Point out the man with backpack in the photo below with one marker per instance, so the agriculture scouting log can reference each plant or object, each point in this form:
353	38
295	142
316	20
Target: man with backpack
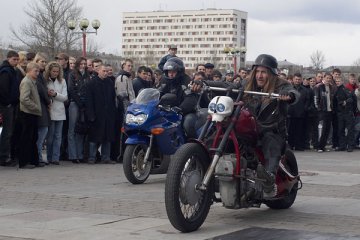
124	95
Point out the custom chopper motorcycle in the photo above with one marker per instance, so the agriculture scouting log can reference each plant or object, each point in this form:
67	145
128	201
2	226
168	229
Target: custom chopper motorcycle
227	168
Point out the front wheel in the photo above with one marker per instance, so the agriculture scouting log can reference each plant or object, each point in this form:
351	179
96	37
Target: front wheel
186	206
136	171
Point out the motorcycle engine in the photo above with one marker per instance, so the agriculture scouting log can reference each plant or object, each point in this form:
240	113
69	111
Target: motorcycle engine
228	184
236	191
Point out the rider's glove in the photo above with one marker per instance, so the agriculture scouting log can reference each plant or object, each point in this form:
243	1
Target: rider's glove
287	93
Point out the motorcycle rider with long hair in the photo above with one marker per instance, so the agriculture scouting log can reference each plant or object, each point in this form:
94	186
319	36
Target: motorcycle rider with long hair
176	82
271	115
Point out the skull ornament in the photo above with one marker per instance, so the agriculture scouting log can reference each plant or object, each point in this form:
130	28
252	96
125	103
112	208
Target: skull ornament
220	107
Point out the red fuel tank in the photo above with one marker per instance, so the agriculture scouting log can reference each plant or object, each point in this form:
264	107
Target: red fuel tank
246	127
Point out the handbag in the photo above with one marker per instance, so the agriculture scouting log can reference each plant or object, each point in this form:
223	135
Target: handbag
82	126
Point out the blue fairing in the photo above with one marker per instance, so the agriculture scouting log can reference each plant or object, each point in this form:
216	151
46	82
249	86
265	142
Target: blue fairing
137	139
167	142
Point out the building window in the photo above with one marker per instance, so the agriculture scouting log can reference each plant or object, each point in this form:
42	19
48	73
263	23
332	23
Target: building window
218	19
212	26
205	45
217	45
187	26
218	33
224	26
151	28
157	34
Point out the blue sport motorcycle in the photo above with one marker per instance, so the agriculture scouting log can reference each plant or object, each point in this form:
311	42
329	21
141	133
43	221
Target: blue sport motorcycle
154	133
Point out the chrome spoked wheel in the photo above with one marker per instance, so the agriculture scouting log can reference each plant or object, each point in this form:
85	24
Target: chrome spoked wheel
186	206
135	169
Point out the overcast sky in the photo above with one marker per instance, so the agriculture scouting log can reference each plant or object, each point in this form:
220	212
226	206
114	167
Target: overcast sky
290	30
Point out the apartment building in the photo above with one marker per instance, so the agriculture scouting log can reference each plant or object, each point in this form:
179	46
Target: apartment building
200	35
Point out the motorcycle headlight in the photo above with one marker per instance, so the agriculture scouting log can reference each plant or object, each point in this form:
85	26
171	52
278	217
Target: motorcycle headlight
136	119
212	107
220	107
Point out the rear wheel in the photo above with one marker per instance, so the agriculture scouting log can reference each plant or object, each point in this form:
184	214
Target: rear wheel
187	207
288	200
136	171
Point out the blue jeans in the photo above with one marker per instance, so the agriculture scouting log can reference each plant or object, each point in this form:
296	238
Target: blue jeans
75	141
42	132
54	141
105	151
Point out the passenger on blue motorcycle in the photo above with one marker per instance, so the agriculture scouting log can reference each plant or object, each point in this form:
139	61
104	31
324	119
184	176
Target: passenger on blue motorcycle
176	84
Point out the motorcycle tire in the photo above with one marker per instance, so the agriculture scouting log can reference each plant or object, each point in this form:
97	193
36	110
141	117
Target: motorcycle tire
186	207
133	164
288	200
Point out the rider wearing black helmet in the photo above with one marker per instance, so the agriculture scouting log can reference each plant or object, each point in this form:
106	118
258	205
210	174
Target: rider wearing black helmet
176	82
271	114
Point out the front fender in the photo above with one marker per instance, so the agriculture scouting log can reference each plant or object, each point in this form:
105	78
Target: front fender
202	144
137	139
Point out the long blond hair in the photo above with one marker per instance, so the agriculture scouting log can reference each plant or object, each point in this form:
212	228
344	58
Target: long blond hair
48	69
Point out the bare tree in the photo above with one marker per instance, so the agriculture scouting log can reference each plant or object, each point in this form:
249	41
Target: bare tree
46	29
357	62
317	59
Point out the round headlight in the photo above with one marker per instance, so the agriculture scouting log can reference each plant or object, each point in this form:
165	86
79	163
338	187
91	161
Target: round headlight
141	118
212	107
129	118
220	107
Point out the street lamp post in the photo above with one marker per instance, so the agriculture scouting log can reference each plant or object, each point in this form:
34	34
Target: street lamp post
242	53
84	24
234	52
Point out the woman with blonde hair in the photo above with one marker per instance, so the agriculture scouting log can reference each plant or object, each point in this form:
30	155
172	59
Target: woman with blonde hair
57	91
72	62
44	120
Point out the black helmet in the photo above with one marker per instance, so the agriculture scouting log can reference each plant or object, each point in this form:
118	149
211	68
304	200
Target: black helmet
267	61
175	64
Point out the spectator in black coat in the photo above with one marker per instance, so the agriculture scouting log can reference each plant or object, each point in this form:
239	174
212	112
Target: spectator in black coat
345	108
141	82
9	96
297	114
100	109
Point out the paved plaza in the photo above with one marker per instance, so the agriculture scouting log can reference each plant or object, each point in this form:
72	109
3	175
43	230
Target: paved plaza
80	201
